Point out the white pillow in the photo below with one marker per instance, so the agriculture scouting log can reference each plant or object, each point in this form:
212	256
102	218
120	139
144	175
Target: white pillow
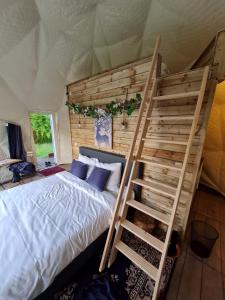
90	161
115	176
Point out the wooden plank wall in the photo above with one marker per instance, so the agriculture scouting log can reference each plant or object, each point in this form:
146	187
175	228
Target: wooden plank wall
114	84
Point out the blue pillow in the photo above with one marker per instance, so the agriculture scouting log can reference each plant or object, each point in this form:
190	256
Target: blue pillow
79	169
99	178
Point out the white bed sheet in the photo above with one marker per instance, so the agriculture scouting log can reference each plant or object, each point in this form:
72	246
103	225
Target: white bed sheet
44	225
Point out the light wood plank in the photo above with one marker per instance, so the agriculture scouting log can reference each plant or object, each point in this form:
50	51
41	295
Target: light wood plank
138	260
153	163
156	187
117	237
177	96
164	141
169	118
106	87
149	211
10	185
145	236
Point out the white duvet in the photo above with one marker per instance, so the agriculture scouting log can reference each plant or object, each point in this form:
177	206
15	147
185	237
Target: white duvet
44	225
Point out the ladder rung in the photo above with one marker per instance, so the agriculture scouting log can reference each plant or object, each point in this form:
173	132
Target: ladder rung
167	161
171	118
177	96
154	163
144	235
138	260
157	187
165	141
149	211
162	184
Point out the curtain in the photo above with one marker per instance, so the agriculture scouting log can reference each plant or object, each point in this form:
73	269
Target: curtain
213	173
4	144
16	148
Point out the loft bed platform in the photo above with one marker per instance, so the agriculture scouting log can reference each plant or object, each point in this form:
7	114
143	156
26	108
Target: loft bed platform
126	81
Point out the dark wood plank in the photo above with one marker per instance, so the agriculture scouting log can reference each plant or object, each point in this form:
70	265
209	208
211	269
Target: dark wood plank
221	202
32	178
193	285
212	284
214	260
224	287
190	288
176	279
222	245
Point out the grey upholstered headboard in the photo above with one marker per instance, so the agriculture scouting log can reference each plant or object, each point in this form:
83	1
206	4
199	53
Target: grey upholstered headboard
107	157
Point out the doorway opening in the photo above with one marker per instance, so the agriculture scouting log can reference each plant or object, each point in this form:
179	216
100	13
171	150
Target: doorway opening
42	127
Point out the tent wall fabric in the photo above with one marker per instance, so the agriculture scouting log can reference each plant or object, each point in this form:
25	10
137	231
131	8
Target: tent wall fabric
47	44
214	150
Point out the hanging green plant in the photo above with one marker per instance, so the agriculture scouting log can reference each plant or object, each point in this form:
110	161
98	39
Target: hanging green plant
133	104
113	108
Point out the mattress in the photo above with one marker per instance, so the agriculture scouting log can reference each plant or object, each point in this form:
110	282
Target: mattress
44	225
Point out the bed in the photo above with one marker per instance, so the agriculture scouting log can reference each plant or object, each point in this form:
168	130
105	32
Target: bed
49	229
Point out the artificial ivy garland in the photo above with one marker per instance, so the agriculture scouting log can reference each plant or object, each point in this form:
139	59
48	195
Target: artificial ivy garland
113	108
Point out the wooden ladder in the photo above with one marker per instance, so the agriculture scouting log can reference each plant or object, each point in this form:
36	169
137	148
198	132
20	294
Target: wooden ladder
171	192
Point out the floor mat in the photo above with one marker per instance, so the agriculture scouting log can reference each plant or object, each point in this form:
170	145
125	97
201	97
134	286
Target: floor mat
123	281
51	171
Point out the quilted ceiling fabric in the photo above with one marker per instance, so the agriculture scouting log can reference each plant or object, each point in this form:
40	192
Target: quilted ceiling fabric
47	43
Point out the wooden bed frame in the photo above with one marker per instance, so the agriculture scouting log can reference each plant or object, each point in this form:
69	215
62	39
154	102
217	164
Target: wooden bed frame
66	276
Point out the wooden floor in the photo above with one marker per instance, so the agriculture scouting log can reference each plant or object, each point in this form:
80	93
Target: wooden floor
24	180
202	279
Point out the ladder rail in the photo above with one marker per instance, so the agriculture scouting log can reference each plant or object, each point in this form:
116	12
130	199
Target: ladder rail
182	174
116	243
133	173
129	157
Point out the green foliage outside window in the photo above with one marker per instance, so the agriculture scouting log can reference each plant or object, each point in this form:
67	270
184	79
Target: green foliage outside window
41	128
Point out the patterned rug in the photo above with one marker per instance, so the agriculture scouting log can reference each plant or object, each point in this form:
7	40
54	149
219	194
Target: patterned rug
123	281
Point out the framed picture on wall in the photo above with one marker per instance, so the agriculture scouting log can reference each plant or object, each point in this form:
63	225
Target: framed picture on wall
103	132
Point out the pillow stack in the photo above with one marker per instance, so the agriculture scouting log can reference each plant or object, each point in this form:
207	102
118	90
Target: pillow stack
100	175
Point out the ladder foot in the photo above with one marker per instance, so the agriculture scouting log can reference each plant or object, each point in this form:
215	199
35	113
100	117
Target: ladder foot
112	257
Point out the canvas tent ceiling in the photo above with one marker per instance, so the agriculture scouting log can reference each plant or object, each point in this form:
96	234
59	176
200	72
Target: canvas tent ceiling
48	43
